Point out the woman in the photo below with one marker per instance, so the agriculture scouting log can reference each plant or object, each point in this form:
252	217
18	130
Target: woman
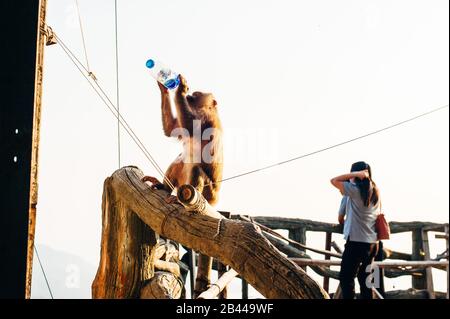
360	205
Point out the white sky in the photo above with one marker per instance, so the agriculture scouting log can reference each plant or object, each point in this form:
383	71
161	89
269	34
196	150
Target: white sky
289	76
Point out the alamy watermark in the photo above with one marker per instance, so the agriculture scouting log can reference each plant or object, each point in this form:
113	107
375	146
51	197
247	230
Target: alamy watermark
250	145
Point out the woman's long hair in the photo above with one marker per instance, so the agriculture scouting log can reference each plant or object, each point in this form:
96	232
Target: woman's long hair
367	187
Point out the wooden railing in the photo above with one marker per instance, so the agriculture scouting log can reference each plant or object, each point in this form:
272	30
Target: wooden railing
417	264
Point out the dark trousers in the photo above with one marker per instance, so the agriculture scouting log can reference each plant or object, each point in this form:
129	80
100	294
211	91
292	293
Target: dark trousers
355	259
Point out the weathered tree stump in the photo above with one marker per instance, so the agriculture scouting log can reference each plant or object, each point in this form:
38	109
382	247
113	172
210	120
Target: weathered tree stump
130	255
238	244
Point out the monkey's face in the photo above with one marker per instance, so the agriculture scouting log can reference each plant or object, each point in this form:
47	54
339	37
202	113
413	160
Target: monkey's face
200	100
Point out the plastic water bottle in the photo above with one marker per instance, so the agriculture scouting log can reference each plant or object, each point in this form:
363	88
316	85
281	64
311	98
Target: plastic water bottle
162	74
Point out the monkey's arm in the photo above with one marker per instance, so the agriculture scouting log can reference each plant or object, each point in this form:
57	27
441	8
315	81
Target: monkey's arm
168	120
185	113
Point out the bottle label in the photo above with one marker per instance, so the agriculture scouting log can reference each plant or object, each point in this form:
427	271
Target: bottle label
168	78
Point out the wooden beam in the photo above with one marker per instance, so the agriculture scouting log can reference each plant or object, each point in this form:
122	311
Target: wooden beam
336	247
294	223
392	254
219	285
434	227
315	262
412	294
235	243
381	264
311	225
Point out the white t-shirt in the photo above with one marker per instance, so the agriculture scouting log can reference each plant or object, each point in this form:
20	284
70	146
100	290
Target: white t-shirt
360	222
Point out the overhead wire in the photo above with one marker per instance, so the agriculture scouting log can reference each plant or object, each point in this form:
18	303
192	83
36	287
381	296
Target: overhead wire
43	272
117	81
334	145
82	35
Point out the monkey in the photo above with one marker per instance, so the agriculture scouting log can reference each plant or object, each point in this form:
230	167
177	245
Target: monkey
198	127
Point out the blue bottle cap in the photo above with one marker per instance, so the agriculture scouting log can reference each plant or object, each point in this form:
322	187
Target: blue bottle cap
150	63
172	83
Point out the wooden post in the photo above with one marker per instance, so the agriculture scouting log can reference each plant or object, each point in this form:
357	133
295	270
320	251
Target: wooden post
238	244
20	113
448	253
222	269
428	270
338	292
203	279
35	146
128	251
381	271
418	282
445	236
326	279
244	289
192	272
299	235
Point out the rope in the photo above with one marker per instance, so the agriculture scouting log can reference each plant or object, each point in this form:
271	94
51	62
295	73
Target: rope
43	272
295	243
333	146
82	36
117	80
110	105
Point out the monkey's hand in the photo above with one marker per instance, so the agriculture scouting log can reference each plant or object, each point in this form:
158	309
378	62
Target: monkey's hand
163	89
156	184
183	88
171	199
